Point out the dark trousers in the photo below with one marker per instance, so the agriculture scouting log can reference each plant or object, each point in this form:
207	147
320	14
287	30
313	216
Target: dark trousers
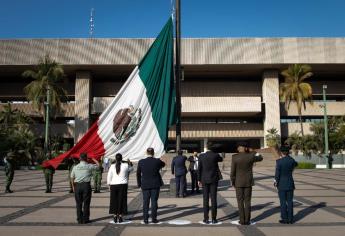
9	178
118	199
49	181
210	190
83	199
194	178
244	196
286	205
180	185
150	194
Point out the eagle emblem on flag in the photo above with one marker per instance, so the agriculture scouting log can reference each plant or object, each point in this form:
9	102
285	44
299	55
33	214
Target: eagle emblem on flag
125	124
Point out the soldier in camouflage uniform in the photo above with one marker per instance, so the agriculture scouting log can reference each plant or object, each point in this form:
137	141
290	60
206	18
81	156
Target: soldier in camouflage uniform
97	177
48	174
9	171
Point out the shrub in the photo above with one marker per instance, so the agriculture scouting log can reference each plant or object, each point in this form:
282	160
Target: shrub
306	165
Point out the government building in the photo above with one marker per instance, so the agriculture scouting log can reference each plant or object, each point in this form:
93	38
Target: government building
229	89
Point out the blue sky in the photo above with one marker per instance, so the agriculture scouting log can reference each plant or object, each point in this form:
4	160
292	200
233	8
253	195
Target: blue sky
200	18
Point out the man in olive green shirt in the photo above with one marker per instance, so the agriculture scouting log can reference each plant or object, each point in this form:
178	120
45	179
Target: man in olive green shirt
81	176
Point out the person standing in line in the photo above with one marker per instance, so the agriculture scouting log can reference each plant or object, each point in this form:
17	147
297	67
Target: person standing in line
9	170
208	177
71	163
285	184
106	163
178	167
117	180
193	169
97	177
242	179
81	176
150	181
49	171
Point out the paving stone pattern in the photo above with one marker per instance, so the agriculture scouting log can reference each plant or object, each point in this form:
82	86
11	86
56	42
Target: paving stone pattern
319	207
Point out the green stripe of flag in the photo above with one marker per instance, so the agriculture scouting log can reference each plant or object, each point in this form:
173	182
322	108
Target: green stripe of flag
156	72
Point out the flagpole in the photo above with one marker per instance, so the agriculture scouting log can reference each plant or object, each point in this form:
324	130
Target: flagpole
178	74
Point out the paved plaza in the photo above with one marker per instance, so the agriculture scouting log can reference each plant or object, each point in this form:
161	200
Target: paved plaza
319	208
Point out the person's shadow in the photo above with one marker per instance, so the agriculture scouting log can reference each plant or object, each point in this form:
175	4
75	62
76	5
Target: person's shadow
299	216
254	208
308	210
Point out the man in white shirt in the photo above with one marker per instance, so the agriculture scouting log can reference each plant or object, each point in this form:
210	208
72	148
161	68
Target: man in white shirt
193	169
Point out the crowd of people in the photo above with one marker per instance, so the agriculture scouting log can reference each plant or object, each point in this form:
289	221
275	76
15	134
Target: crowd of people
204	173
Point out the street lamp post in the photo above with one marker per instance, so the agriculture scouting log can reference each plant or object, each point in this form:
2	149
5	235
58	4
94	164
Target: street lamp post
46	136
325	121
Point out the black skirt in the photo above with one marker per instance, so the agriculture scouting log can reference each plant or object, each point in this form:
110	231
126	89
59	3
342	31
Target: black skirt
118	199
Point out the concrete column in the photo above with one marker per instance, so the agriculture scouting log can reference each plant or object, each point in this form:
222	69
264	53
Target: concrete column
262	143
205	144
270	97
82	104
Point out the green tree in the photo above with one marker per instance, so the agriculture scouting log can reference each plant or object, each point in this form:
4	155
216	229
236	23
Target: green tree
273	138
45	88
295	142
314	143
336	135
13	118
295	89
47	76
16	134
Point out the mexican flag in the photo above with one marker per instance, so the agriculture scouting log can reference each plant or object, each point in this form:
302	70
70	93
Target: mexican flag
141	113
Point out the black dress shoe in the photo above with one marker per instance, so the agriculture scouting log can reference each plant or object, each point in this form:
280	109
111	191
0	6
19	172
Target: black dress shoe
206	221
155	221
115	219
120	219
214	221
242	223
146	222
87	221
290	222
283	221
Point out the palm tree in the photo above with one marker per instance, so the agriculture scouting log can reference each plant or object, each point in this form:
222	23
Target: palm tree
45	90
294	89
47	76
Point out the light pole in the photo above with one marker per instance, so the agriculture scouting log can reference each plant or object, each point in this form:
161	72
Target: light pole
325	121
46	136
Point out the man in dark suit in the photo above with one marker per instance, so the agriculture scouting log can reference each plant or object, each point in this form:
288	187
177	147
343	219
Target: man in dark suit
208	177
150	181
193	169
285	184
178	167
242	179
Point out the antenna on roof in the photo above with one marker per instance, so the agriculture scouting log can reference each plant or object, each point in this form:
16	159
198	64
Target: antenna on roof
92	23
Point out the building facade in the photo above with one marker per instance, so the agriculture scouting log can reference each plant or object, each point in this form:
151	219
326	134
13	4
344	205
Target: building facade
230	87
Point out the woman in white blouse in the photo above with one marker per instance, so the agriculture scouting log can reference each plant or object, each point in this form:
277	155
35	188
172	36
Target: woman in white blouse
118	183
